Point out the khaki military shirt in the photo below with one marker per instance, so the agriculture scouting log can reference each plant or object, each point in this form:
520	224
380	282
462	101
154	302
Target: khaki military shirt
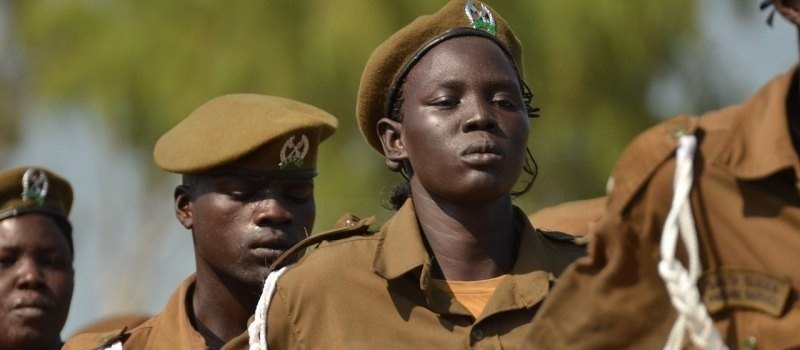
170	329
373	292
746	207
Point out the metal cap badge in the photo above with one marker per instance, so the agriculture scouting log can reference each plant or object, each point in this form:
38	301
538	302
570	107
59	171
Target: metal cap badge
481	19
296	152
35	185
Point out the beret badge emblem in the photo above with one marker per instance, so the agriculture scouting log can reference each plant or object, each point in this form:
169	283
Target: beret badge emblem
35	185
293	153
481	19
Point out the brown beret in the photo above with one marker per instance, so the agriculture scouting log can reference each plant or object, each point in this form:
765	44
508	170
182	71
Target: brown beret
247	132
27	190
393	59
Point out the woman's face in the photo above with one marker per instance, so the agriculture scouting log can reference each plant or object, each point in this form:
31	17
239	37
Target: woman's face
465	125
36	281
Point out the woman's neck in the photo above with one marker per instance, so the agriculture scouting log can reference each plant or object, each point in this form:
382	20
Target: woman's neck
469	243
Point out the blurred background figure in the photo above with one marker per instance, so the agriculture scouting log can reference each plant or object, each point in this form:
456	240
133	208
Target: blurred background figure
87	88
36	254
577	217
727	183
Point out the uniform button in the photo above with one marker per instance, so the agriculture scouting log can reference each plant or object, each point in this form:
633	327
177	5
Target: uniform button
750	343
477	334
678	131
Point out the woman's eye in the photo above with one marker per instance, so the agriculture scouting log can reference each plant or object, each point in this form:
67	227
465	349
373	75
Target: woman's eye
445	102
55	261
504	103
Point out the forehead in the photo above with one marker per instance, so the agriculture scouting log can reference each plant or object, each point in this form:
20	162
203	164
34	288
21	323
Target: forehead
275	178
32	231
470	57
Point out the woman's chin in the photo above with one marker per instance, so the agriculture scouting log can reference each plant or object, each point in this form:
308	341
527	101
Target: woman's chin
479	193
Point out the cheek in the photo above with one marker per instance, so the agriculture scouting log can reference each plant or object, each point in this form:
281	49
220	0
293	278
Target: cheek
218	213
6	280
429	140
303	215
518	131
61	283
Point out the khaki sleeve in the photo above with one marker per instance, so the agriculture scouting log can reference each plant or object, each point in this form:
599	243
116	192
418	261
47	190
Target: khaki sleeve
280	329
81	342
614	298
92	341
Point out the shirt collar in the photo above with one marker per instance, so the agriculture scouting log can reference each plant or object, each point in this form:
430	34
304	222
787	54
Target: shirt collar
401	251
758	143
174	330
400	247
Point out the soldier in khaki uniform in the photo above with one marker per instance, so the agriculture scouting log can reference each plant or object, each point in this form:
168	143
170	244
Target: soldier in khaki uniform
36	255
579	218
744	200
248	163
457	266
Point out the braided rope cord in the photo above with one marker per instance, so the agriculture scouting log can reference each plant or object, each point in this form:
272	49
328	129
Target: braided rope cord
682	284
257	331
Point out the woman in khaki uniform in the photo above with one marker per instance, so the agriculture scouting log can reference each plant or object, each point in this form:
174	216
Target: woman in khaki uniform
36	254
458	266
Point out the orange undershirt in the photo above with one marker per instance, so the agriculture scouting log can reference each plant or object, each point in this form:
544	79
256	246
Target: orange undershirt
472	294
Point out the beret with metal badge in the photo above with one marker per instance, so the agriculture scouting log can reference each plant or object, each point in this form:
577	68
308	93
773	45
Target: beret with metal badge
389	64
246	132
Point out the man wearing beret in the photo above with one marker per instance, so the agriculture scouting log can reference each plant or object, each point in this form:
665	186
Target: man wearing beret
36	254
699	243
247	194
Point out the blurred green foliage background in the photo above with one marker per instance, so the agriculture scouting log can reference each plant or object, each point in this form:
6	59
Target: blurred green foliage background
144	65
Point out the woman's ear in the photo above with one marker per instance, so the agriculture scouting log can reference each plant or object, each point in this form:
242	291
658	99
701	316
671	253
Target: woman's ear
183	206
390	132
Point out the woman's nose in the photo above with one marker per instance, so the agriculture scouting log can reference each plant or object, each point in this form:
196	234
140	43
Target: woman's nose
29	275
480	118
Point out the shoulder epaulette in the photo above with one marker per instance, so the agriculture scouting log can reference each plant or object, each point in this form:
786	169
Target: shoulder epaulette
107	340
644	155
348	225
564	237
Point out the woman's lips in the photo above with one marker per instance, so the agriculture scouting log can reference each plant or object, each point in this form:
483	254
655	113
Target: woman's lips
31	306
482	153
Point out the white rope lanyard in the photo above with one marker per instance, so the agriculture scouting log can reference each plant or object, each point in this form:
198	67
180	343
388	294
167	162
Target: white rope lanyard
257	331
681	284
